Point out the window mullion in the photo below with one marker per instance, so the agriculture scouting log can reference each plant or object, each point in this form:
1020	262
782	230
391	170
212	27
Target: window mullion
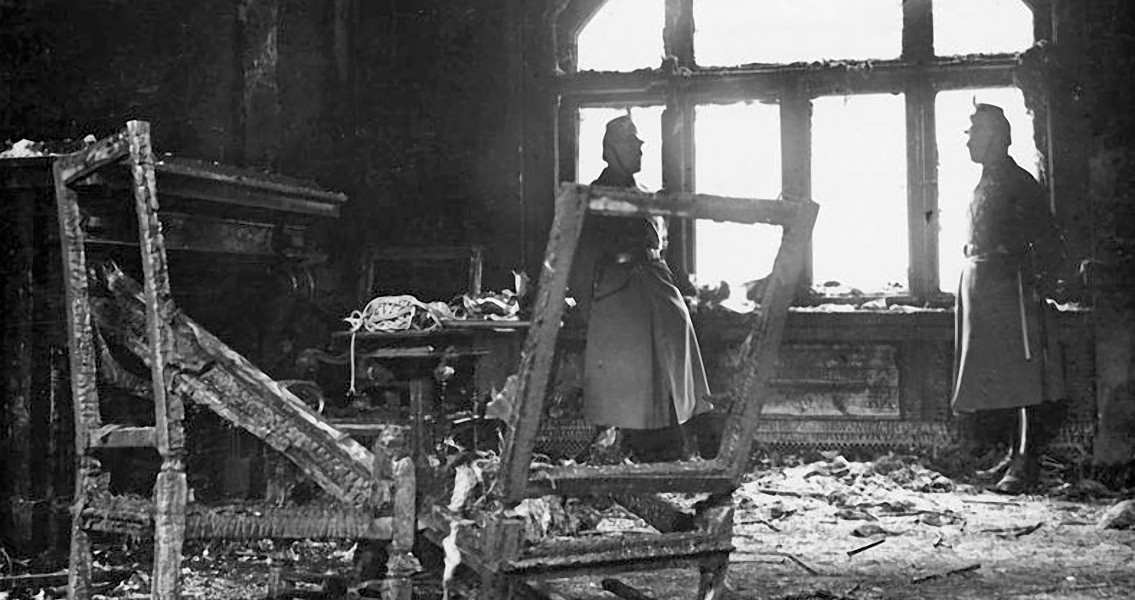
678	175
796	155
921	155
678	36
678	130
922	189
917	31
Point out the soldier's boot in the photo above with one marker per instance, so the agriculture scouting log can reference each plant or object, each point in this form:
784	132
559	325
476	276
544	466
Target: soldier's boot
1024	469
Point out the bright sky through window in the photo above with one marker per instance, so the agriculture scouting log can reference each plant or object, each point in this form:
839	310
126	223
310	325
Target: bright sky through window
859	142
738	154
736	32
592	126
981	27
958	175
859	181
624	35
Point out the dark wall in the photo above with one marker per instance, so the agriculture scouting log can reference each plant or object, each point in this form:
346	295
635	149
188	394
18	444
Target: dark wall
414	108
76	68
1095	93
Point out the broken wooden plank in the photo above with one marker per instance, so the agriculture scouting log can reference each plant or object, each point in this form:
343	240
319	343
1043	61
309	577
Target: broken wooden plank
539	347
580	555
763	342
209	372
109	150
680	477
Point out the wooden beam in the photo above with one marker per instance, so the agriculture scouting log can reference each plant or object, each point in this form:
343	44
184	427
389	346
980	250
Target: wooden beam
627	202
539	347
170	488
767	82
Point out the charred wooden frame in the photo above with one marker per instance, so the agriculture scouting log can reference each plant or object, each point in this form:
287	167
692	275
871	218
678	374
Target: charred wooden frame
918	73
702	538
721	474
377	489
170	489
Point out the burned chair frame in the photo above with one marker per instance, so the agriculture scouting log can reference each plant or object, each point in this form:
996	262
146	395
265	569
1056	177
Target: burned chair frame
494	546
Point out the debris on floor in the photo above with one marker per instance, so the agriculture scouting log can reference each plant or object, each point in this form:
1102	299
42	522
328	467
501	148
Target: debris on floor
822	529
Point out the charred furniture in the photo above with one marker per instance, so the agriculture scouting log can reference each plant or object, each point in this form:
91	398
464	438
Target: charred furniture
492	542
373	492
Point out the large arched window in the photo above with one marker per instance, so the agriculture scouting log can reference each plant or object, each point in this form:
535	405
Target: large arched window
858	104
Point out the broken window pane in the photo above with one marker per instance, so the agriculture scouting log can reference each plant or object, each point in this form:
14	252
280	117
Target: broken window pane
859	181
623	36
736	32
958	175
737	149
592	126
981	27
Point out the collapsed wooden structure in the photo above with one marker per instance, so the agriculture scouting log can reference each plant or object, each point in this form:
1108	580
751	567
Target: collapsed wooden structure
375	489
493	543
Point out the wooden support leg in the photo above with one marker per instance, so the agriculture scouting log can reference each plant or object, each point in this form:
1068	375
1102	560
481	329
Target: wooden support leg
170	492
401	564
419	388
80	561
170	489
502	542
84	391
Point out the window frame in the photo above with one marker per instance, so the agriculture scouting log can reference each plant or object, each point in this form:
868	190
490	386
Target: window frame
680	85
